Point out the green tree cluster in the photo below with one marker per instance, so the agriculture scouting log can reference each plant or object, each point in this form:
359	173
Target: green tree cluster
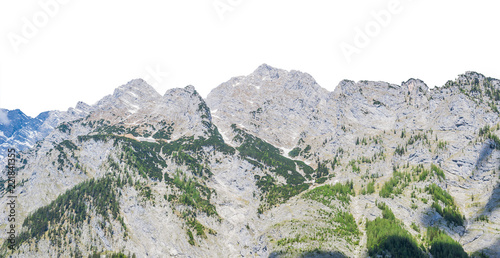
438	171
450	212
387	236
194	194
325	194
442	245
73	207
395	185
370	188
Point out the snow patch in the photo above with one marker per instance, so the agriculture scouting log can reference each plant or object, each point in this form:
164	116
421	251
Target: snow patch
133	108
285	152
225	138
143	139
132	94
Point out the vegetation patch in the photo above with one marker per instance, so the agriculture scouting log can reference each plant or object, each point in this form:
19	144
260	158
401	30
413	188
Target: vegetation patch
194	198
64	148
450	212
254	148
395	185
143	157
264	155
438	171
387	236
192	194
322	233
355	168
416	138
346	227
327	193
295	152
275	194
108	255
165	132
442	245
370	188
420	173
72	208
400	150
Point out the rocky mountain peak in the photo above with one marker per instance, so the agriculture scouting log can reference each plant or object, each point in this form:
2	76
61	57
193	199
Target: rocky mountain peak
264	94
82	106
415	85
265	75
136	110
16	120
80	109
137	88
268	71
129	97
470	78
190	88
186	94
43	116
345	87
472	74
187	109
277	165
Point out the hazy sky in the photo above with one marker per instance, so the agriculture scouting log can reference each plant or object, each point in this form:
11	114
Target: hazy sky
55	53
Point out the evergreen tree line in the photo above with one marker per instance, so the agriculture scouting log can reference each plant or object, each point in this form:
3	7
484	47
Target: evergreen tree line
73	207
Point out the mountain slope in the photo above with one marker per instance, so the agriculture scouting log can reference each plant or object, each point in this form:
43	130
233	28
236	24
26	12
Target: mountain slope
271	164
21	132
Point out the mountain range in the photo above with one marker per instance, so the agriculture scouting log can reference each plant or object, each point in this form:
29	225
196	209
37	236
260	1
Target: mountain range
269	164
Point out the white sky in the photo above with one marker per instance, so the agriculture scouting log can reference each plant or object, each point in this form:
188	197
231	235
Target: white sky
85	49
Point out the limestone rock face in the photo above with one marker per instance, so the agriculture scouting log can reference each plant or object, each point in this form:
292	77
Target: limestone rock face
274	104
21	132
250	170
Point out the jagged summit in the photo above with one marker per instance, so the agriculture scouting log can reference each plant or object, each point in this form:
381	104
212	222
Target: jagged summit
473	74
270	164
413	80
129	97
269	79
44	115
268	71
415	85
467	78
82	105
264	99
138	88
190	88
16	120
137	110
